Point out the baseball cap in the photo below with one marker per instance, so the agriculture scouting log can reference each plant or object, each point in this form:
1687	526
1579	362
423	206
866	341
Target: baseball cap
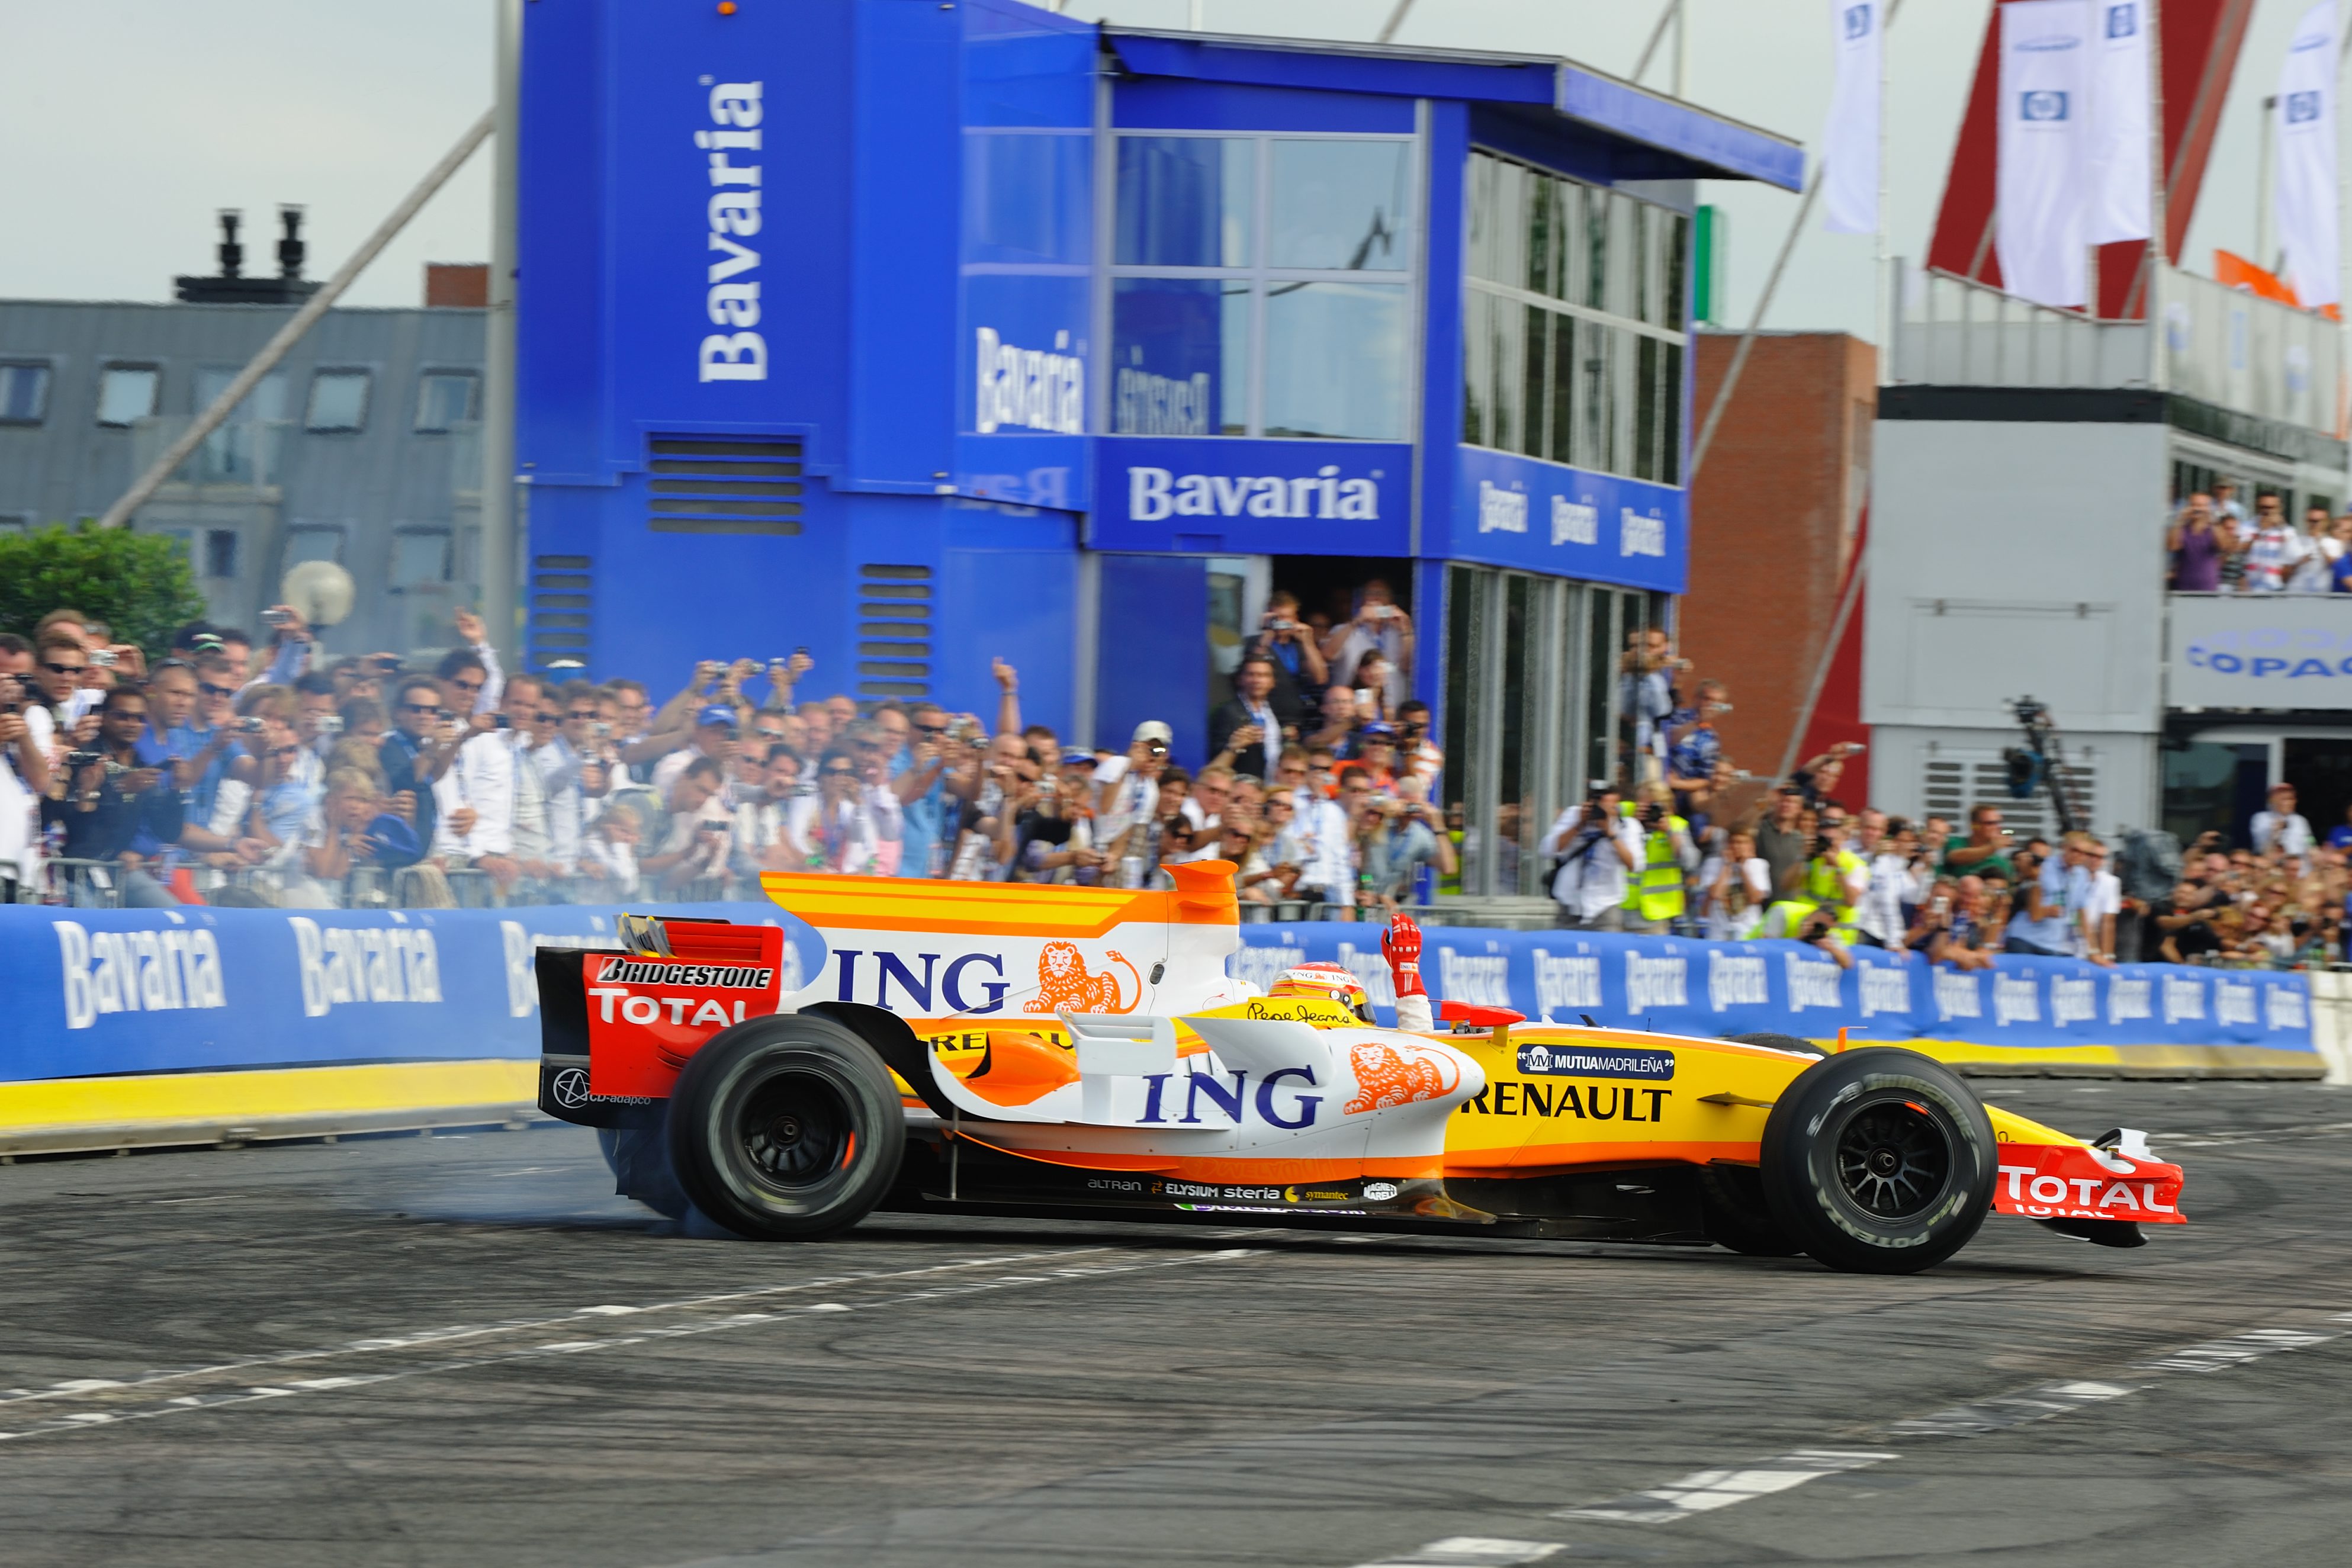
715	713
1379	729
1076	757
1153	730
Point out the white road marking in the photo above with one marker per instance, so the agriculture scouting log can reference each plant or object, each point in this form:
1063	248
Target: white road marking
2002	1411
2236	1351
1473	1551
119	1394
1703	1491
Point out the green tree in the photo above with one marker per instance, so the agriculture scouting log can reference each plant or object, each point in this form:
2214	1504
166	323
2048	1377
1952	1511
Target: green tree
139	583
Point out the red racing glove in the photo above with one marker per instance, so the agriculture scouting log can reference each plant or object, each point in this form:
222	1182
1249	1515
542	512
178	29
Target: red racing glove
1401	945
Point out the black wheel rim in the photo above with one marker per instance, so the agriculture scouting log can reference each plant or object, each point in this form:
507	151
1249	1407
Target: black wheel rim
795	1130
1894	1159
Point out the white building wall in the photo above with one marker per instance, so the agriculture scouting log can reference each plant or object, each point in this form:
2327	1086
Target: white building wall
2010	559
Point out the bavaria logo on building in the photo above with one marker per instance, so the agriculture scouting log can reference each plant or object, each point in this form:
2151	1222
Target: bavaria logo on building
1501	510
1153	494
734	213
1575	522
1032	389
1639	535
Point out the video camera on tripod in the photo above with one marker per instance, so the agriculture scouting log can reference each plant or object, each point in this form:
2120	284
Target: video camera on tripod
2041	762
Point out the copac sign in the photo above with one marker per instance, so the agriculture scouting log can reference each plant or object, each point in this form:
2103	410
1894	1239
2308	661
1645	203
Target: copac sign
2260	651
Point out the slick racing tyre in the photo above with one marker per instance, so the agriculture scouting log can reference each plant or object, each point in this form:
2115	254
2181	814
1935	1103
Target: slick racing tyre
1780	1043
1731	1203
786	1128
1879	1162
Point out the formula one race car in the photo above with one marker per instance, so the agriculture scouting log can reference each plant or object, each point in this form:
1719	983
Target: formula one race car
1081	1052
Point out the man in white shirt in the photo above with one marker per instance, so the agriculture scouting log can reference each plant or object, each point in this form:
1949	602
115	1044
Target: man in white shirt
1599	846
2101	905
2282	829
1380	627
1878	915
1127	789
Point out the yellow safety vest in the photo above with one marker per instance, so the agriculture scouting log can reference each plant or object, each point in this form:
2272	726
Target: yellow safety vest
1826	885
1655	892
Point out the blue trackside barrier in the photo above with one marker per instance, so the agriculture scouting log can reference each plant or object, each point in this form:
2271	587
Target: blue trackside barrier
98	991
1690	987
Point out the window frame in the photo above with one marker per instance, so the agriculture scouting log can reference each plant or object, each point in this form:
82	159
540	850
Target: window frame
107	368
1407	276
473	399
448	538
1657	273
48	369
319	373
288	559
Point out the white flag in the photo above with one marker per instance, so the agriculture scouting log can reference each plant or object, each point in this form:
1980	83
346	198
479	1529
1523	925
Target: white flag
2118	133
2044	77
2306	158
1849	166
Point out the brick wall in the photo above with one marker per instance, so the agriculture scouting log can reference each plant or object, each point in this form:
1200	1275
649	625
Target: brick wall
1773	519
465	285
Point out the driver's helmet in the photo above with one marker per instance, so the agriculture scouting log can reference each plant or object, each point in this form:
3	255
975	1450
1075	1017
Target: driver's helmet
1330	980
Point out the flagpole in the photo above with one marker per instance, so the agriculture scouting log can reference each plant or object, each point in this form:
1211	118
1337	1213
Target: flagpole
2158	254
1886	301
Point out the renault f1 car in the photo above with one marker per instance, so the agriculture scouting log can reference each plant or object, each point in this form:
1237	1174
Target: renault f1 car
1077	1052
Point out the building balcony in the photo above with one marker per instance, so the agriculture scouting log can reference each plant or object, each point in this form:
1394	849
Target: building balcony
2221	346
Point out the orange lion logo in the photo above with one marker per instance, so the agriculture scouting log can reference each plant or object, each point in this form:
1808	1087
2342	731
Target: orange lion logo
1386	1076
1064	984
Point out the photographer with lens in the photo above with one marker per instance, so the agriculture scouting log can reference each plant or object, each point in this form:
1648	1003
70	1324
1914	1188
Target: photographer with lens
1598	846
115	809
24	780
1830	884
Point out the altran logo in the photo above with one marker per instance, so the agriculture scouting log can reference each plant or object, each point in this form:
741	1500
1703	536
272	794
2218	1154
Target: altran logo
2042	104
1153	494
734	213
1029	389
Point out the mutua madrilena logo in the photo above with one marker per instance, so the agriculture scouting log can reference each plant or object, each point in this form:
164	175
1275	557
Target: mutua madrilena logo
1153	494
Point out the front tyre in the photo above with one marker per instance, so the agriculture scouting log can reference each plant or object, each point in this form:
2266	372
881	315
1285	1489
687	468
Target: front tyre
1879	1162
786	1128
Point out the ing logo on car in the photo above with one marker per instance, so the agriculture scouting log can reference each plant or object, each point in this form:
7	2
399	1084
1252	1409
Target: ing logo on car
1398	1074
1065	983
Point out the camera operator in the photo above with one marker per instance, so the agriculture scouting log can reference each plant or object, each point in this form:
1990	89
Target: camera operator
24	780
690	840
574	765
1955	925
425	737
115	809
1654	901
1283	637
1126	790
1380	627
1599	846
1395	835
1052	836
1830	884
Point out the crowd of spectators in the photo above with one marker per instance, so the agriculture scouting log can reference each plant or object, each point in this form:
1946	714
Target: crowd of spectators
2213	545
242	772
1688	845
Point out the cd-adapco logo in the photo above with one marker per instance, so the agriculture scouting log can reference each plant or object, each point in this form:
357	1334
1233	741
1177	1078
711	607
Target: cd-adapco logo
568	1088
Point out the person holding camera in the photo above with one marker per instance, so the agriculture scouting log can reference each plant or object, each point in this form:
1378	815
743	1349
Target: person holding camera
1598	847
1955	925
24	780
1396	833
1380	625
1284	638
1830	886
1248	732
1052	833
1653	897
115	809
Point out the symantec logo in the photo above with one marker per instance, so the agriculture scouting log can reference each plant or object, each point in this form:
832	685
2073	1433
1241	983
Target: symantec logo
137	971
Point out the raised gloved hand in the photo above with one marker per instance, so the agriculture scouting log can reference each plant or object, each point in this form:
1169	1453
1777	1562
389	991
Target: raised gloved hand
1401	945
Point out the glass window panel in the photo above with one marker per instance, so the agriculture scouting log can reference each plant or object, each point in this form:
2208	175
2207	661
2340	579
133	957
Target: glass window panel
220	553
1569	209
1624	401
24	393
419	559
1596	248
1026	196
126	391
1670	412
1645	408
1480	194
1563	389
1505	330
313	544
338	400
1185	201
1645	225
1478	368
1335	359
1617	296
445	399
1340	204
1594	427
1542	210
1461	685
1599	682
1510	223
1677	259
1536	375
1178	345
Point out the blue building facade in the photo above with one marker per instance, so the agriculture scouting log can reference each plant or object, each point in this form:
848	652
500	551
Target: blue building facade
920	334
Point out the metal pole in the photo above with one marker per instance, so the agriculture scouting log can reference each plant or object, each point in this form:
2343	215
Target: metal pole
1657	35
1396	20
303	320
1764	302
494	558
2266	175
2157	257
1822	667
1682	47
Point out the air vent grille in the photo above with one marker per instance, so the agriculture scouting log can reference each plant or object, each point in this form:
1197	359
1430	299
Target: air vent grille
562	611
1952	784
710	486
894	648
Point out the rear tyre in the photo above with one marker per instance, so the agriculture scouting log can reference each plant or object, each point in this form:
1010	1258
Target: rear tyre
1879	1162
1781	1043
1731	1202
786	1128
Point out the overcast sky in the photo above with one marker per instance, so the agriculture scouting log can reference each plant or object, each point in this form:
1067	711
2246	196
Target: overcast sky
125	124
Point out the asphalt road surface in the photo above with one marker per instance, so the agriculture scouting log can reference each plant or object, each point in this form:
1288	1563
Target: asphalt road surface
459	1350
